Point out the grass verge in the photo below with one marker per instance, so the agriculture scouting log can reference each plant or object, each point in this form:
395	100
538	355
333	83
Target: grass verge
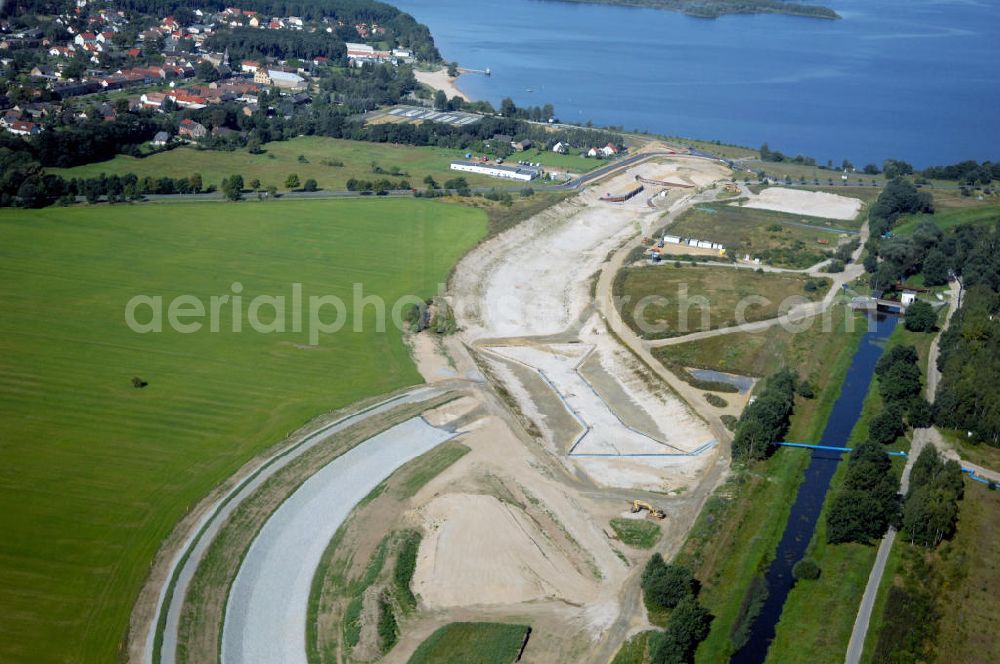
472	643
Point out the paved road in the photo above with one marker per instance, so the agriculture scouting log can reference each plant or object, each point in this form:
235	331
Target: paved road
186	559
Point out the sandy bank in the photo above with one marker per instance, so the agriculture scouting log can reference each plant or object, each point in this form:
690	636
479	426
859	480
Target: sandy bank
439	80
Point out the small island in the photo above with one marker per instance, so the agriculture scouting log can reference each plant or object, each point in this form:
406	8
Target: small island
716	8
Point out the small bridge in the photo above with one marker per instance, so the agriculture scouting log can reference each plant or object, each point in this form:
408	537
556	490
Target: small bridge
877	304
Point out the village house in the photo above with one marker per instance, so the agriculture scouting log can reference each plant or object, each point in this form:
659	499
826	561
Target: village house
192	129
24	128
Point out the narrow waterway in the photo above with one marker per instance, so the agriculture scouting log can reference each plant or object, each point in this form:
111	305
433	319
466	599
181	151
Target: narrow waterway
812	492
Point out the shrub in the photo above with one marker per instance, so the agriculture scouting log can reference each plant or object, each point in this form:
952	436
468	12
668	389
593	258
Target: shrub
885	427
920	317
665	585
388	628
730	422
715	400
806	569
835	266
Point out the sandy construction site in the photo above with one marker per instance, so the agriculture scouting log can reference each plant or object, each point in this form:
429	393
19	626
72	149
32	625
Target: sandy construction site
555	427
577	427
809	203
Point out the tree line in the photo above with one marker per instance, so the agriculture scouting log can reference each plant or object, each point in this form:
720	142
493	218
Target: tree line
765	421
669	587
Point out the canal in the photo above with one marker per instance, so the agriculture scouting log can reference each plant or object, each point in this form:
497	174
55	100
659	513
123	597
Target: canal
812	492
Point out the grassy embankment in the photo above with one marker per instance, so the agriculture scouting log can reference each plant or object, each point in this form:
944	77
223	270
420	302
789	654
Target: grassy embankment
281	158
97	472
707	298
737	533
471	643
950	217
777	238
367	557
818	615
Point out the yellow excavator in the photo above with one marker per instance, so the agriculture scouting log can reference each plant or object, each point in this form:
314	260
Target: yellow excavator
654	513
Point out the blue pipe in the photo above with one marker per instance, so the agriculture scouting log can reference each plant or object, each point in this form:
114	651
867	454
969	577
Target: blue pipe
831	448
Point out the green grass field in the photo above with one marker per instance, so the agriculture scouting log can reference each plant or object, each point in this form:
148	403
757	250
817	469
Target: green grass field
280	158
707	298
93	472
761	353
950	217
636	533
777	238
471	643
571	162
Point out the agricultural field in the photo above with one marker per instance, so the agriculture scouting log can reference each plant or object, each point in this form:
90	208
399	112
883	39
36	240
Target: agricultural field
777	238
95	472
762	353
281	158
694	299
471	643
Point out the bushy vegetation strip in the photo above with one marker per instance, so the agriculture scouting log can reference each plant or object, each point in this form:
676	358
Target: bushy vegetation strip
765	421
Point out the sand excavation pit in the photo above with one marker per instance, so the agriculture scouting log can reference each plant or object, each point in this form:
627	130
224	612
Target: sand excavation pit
533	279
479	550
663	447
809	203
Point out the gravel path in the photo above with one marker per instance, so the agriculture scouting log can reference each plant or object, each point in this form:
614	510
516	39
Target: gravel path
188	556
266	611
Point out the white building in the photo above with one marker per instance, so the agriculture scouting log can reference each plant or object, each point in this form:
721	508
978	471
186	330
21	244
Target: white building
286	80
522	173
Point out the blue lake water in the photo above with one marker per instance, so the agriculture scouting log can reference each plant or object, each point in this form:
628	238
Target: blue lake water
911	79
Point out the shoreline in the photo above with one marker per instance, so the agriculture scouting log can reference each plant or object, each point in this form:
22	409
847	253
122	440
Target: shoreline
439	80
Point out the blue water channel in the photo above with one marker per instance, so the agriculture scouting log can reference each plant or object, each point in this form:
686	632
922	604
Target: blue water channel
812	492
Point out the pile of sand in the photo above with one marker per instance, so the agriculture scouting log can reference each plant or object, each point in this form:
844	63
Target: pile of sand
479	550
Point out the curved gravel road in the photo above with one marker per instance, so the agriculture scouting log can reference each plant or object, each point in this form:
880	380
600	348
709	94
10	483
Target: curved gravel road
267	606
